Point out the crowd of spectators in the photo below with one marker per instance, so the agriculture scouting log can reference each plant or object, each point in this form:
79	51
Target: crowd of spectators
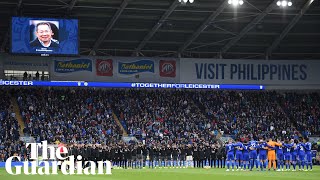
166	116
9	129
192	115
158	117
246	114
82	116
304	110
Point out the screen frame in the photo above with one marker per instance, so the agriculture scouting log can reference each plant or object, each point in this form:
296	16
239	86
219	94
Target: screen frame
44	55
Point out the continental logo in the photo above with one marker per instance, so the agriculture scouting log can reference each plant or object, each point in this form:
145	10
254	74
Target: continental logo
136	67
73	65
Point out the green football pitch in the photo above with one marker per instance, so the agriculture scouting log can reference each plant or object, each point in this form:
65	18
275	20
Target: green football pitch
168	174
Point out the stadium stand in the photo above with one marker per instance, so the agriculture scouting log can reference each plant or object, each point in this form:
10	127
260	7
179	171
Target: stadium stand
9	128
85	115
67	115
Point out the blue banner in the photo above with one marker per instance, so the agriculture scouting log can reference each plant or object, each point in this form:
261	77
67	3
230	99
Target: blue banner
73	65
136	67
131	85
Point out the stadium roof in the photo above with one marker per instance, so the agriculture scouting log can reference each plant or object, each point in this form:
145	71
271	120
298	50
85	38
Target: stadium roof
258	29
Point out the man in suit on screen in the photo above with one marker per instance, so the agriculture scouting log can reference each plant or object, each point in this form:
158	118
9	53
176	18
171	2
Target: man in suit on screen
44	36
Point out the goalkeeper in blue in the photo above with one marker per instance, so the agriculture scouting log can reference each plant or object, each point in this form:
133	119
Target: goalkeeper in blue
307	147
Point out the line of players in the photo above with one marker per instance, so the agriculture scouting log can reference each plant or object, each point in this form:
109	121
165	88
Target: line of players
244	156
139	156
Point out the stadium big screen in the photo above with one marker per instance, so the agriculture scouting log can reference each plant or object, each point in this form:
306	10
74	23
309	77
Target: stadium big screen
44	36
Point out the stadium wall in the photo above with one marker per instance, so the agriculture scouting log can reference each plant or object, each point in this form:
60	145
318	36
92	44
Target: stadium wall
25	63
116	69
274	74
1	69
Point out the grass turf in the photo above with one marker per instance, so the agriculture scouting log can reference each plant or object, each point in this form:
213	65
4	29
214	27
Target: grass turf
168	174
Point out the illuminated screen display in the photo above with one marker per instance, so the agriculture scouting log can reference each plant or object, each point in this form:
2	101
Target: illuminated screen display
44	36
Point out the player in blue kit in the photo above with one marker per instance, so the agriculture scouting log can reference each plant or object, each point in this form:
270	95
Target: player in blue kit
263	154
230	154
239	155
280	156
287	154
253	145
246	157
294	154
301	155
307	146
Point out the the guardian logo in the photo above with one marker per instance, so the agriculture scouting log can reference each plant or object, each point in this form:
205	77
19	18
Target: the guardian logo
70	167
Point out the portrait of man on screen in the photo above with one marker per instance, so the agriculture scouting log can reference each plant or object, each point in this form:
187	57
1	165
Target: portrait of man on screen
44	36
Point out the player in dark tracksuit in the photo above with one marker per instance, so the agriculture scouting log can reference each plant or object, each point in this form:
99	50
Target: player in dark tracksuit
224	156
116	156
195	156
85	155
101	156
134	157
201	152
207	155
151	156
220	154
182	155
112	154
175	153
213	156
109	155
156	155
95	154
126	156
139	156
189	153
121	156
144	154
105	154
168	156
162	156
129	154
